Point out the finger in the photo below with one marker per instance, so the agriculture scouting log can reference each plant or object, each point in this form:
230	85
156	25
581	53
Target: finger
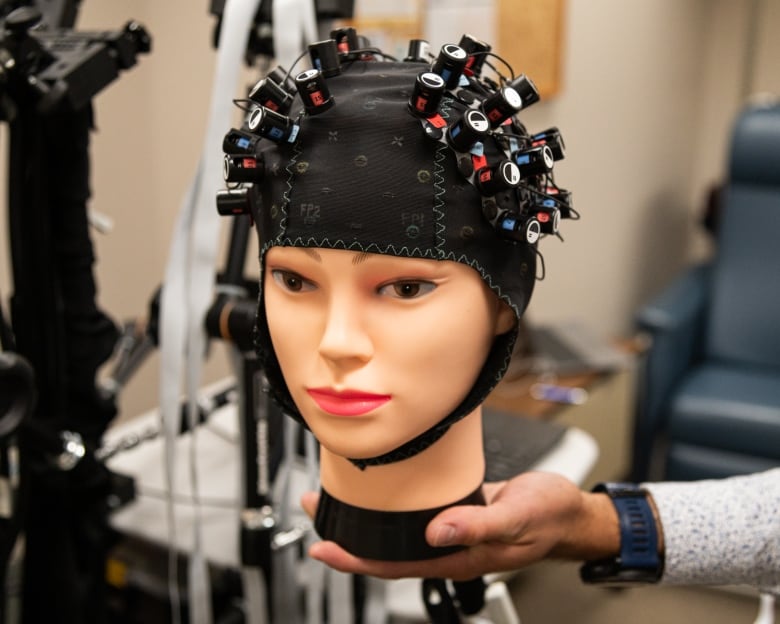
309	502
456	565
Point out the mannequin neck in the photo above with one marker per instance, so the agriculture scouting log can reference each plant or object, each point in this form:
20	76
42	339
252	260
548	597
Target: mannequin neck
447	471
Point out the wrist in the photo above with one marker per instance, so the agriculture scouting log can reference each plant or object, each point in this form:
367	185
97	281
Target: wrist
594	532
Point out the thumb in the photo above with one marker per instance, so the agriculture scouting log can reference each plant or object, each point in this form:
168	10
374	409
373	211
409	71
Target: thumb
469	525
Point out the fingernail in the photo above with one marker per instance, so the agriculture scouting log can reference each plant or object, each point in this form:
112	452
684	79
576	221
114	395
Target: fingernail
445	536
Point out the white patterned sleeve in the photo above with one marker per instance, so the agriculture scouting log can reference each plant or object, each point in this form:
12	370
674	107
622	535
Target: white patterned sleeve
722	532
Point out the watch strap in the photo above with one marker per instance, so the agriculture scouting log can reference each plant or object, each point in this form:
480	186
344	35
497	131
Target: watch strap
639	559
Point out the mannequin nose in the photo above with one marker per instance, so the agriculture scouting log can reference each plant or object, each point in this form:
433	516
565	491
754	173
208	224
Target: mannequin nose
344	337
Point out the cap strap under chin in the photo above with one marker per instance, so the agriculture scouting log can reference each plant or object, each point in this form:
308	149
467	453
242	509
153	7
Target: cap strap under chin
411	448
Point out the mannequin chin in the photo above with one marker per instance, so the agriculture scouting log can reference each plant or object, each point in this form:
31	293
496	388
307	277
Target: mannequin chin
375	350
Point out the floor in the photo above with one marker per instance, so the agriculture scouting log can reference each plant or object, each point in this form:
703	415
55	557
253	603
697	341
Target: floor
551	593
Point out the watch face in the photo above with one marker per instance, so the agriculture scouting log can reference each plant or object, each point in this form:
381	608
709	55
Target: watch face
610	572
619	489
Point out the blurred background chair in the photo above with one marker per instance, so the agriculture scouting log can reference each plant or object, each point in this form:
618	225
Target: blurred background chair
708	400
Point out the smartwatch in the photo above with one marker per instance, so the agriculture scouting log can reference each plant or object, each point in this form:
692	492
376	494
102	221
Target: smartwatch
639	560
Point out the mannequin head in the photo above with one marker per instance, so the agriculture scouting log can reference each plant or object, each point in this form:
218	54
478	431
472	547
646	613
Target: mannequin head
398	209
377	349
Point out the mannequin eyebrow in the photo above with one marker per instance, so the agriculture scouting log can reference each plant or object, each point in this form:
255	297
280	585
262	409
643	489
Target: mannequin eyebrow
312	253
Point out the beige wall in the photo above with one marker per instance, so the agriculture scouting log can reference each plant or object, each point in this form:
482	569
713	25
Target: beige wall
650	88
765	74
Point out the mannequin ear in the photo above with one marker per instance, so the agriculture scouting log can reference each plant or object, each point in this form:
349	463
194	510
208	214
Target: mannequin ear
505	318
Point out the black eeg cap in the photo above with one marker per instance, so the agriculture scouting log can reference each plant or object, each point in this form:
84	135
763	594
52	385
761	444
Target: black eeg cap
370	175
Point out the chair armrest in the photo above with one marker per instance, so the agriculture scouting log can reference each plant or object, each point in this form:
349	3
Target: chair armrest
673	323
679	308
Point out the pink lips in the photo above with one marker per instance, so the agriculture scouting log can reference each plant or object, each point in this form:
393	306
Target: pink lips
347	402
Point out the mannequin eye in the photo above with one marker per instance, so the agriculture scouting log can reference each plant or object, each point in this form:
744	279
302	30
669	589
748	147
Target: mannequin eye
407	289
291	282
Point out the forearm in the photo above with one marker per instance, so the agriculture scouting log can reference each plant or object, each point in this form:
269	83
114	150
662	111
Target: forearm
722	531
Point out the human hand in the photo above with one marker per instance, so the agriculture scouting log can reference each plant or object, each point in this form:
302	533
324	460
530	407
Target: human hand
528	518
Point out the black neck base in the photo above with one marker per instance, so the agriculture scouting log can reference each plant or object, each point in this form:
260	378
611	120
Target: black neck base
384	535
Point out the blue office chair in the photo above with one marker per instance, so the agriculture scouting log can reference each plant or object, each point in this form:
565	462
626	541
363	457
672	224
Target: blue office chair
709	386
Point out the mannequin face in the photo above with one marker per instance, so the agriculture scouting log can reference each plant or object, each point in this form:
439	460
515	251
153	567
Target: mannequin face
376	349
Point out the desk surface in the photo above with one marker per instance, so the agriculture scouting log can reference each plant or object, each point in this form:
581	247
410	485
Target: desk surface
513	394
